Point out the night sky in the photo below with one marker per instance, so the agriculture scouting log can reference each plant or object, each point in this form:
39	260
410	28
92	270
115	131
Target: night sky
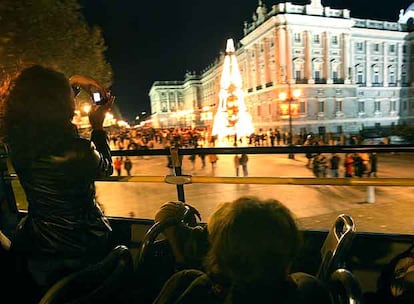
151	40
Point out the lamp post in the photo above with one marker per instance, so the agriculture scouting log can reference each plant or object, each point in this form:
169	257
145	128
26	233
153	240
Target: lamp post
290	97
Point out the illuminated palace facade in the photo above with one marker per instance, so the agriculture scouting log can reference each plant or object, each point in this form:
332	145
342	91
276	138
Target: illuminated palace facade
352	73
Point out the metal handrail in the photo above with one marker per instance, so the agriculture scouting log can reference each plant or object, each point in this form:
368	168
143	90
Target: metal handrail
300	181
179	180
299	149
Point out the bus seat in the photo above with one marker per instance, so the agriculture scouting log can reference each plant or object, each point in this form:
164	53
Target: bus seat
336	246
344	287
102	282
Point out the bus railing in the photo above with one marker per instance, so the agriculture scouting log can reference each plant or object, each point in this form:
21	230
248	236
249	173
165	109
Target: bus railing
179	180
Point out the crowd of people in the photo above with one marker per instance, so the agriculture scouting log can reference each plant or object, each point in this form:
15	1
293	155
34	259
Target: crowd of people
353	165
187	137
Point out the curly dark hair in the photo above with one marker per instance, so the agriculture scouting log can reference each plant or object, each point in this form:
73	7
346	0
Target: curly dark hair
252	240
39	107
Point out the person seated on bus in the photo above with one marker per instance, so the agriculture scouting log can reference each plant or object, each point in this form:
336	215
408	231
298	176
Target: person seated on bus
252	245
64	229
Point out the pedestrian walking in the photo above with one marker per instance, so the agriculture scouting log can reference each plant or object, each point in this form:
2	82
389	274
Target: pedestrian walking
334	164
323	165
118	165
373	163
349	165
128	165
243	162
237	164
192	159
203	160
213	158
358	165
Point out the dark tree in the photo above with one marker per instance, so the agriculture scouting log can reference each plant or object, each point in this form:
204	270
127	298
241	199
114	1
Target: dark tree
52	33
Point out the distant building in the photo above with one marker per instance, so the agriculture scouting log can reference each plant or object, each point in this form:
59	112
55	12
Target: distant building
353	73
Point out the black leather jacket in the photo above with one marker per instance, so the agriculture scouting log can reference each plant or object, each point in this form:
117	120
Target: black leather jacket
63	216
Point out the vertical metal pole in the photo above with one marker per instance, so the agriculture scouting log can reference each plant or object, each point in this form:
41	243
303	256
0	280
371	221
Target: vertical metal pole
291	155
370	197
176	161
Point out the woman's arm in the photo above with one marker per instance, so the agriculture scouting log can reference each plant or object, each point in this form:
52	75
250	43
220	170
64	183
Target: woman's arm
102	153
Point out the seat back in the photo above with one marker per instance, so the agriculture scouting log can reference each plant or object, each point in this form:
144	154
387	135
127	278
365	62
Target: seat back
345	288
336	246
98	283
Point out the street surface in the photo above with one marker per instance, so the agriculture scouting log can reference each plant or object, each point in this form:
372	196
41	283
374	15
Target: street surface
315	207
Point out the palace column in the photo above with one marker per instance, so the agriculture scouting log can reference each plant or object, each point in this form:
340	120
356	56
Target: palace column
282	53
256	64
276	71
266	60
289	55
308	57
345	59
368	79
248	70
385	65
327	49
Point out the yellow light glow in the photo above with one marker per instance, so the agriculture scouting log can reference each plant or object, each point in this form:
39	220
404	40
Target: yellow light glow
297	93
86	108
122	123
282	96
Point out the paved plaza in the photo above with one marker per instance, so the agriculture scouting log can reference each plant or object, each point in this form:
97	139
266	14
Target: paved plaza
314	206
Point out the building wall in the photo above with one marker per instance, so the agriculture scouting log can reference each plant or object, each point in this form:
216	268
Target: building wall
352	73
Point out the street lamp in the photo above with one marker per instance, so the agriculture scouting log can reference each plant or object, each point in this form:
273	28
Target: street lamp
290	97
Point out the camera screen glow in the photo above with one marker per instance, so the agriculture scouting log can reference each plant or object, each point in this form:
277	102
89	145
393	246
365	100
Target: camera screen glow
96	97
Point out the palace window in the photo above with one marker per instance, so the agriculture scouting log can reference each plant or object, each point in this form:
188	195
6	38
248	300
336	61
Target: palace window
335	70
359	46
393	106
377	106
335	40
164	107
361	107
302	107
298	37
339	105
392	48
360	77
404	73
316	38
317	69
376	47
391	74
299	68
375	74
321	107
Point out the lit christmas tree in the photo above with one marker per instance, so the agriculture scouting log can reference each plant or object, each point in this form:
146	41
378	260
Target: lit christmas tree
232	117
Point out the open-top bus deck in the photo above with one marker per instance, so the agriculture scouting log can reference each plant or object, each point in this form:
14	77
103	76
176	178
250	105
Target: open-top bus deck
380	230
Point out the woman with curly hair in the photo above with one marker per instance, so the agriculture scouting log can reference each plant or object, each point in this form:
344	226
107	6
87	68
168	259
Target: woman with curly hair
64	229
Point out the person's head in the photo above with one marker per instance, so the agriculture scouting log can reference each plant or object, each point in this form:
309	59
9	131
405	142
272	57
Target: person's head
39	108
252	240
